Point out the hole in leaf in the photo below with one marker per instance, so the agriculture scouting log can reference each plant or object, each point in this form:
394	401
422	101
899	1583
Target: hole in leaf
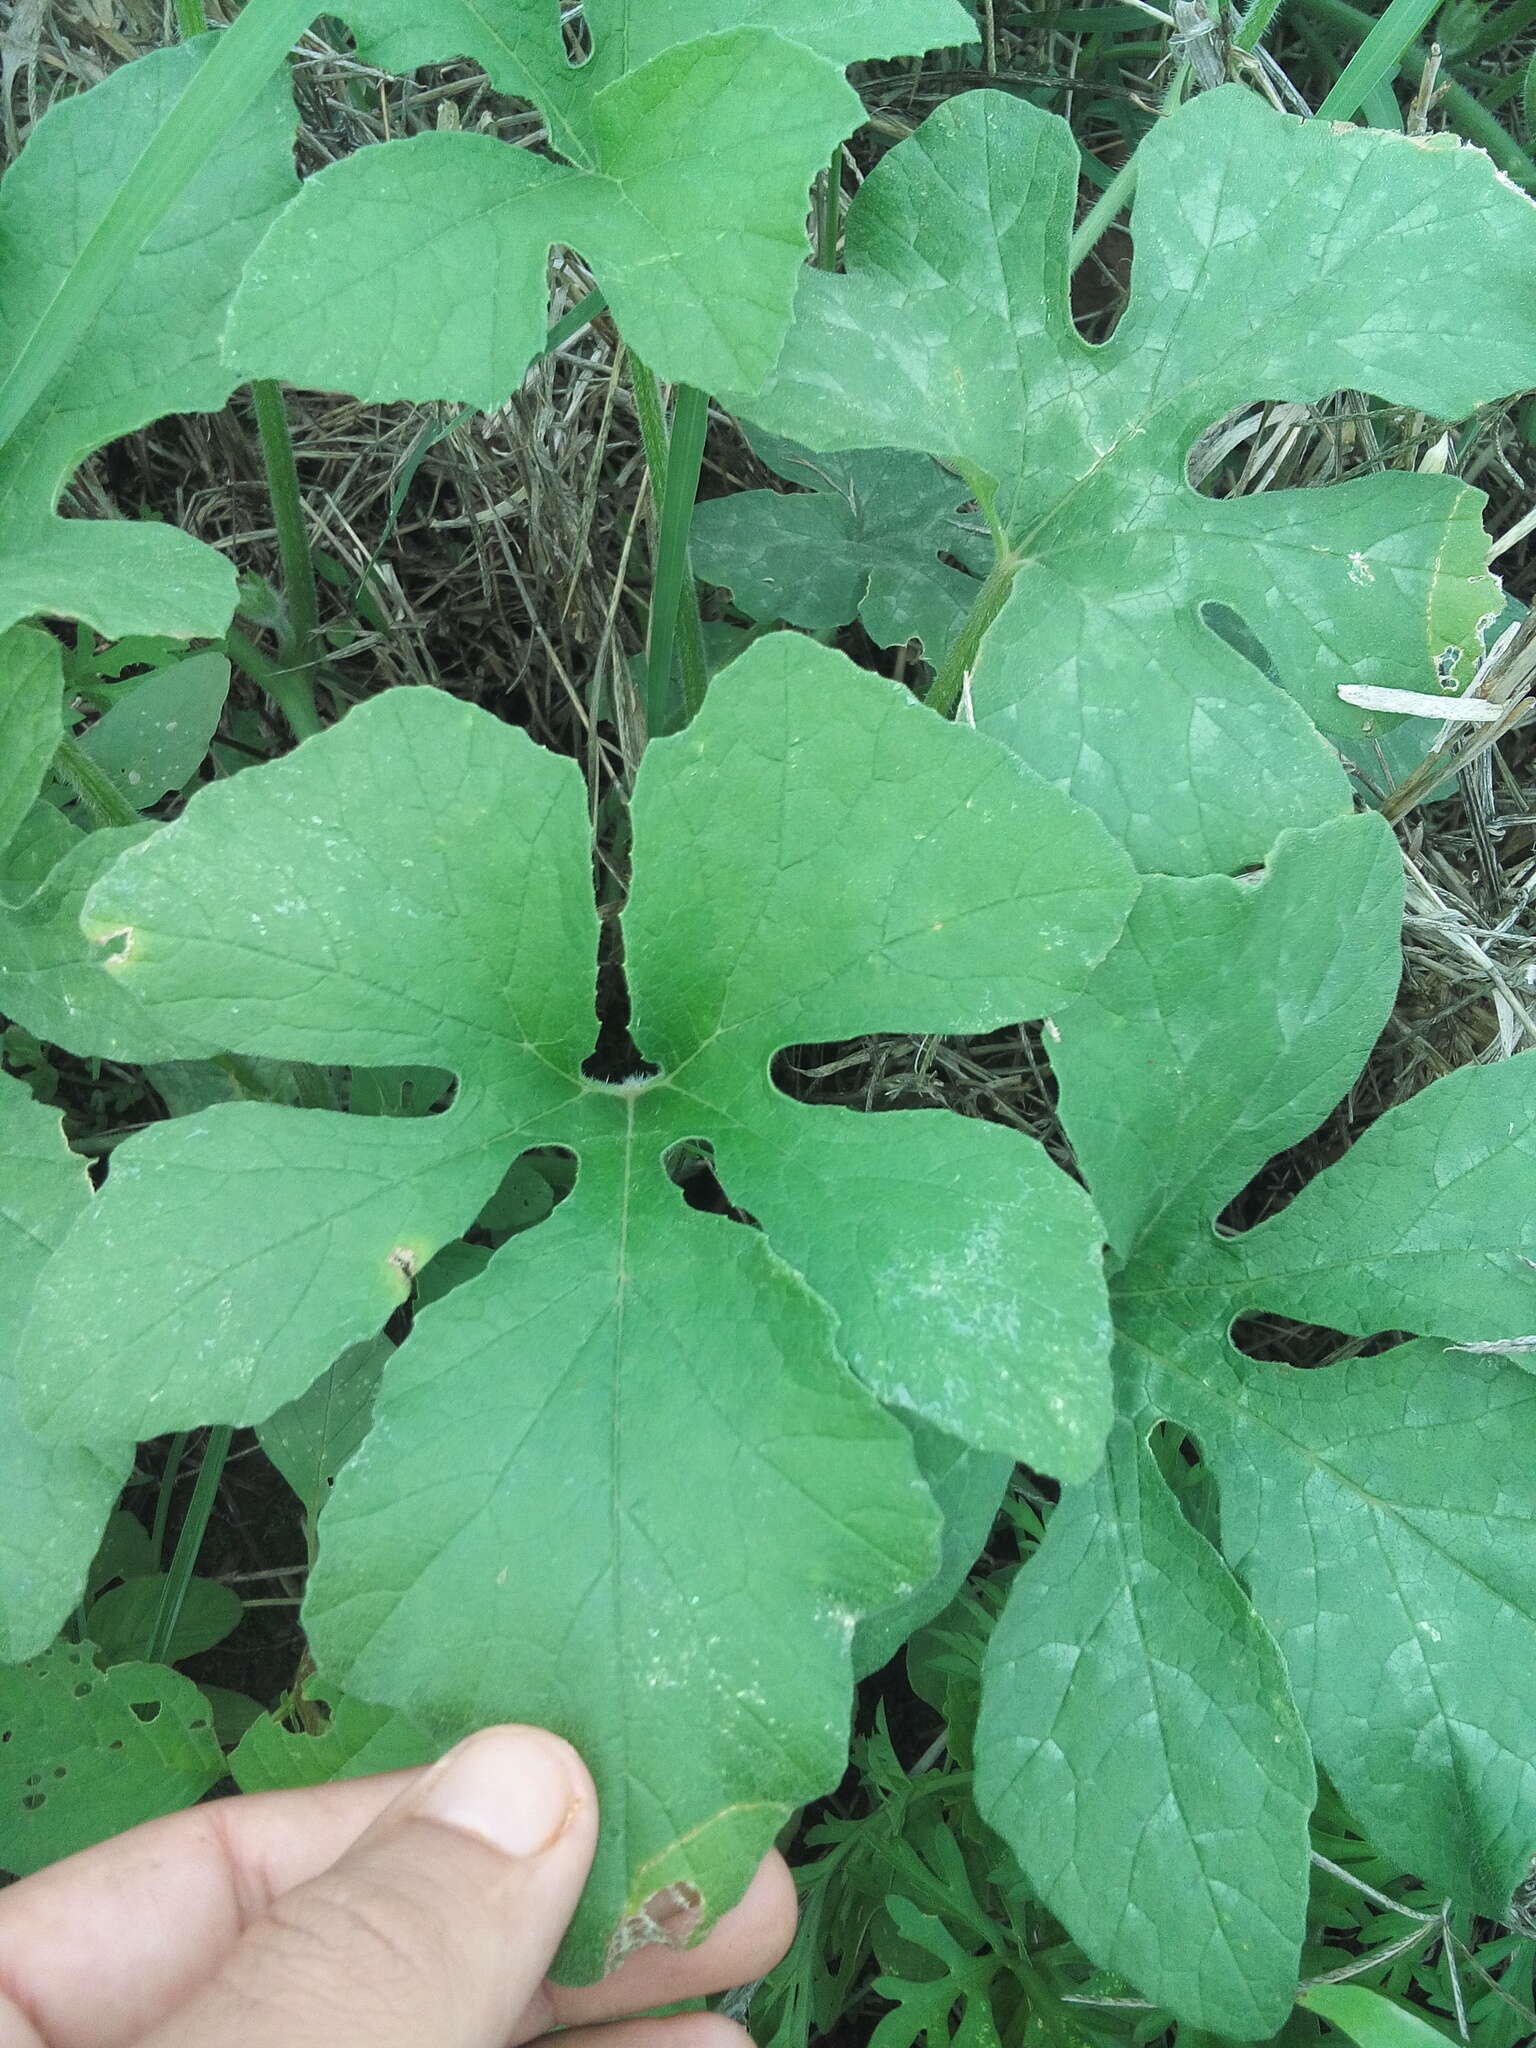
33	1802
691	1167
400	1091
83	1691
1272	444
615	1058
668	1917
999	1076
1277	1340
61	1770
1189	1479
1098	287
116	1742
146	1710
576	33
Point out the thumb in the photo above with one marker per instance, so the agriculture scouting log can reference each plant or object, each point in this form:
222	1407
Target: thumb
437	1926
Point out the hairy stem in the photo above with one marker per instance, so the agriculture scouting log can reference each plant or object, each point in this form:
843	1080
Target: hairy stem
291	691
101	797
945	691
1118	193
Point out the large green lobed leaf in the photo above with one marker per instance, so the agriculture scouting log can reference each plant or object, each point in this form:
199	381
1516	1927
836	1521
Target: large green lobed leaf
640	1477
154	348
686	145
1376	1517
1275	259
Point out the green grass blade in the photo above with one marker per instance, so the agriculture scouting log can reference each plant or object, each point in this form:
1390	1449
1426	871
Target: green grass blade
248	53
1378	58
685	455
1463	111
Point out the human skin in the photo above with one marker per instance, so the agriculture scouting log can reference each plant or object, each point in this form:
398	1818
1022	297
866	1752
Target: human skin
417	1910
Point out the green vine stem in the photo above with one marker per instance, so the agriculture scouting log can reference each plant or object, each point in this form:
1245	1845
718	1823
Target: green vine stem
673	464
188	1543
947	687
1118	193
243	59
288	517
1249	32
292	692
105	802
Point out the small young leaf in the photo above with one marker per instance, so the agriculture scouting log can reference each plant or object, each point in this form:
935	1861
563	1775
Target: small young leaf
153	739
85	1753
154	348
861	539
1370	2018
54	1498
1274	259
121	1622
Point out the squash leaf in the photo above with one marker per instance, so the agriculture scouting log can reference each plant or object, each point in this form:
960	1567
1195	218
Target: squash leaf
85	1753
1377	1516
153	349
689	140
863	538
54	1498
814	857
1274	258
50	978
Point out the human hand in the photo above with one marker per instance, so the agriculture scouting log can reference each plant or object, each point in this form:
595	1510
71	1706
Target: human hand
418	1910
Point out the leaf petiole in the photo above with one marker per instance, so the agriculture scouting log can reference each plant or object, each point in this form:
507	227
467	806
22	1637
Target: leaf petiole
948	686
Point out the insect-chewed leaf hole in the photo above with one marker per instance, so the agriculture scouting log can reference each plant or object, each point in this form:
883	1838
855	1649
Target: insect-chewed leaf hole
400	1091
577	34
1277	1340
690	1166
669	1918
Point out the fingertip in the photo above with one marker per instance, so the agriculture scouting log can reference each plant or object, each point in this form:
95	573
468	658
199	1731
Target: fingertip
521	1789
770	1912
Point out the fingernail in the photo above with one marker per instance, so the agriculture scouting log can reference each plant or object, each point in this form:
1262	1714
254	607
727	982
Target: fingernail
509	1787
